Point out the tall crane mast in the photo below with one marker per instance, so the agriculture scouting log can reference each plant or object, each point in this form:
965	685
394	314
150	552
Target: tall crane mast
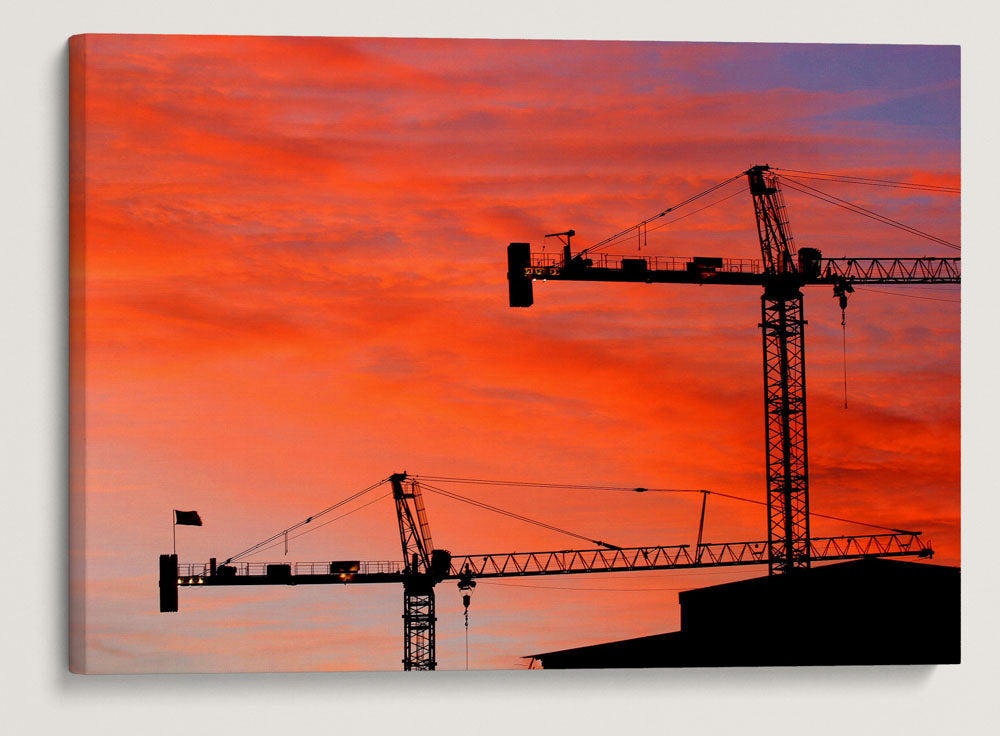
784	380
424	567
782	274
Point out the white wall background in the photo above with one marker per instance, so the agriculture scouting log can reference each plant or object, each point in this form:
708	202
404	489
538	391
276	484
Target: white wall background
38	693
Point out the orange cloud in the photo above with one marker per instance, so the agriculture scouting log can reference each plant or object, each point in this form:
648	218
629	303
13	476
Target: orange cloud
294	284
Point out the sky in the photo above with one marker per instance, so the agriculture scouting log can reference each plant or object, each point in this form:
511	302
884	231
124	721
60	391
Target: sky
289	281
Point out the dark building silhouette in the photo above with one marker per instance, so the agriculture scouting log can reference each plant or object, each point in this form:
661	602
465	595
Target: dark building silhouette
868	611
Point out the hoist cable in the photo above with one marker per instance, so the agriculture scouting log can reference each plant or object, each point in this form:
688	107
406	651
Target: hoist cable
530	484
864	212
850	179
843	332
310	530
566	486
293	527
910	296
910	187
646	229
626	233
642	228
687	201
789	183
505	512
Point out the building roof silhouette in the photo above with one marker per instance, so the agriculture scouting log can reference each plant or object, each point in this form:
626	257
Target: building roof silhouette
869	611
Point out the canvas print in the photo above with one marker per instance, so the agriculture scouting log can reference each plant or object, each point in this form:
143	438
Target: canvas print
438	354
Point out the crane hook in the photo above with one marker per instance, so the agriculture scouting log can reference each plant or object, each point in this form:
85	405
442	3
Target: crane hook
466	584
840	290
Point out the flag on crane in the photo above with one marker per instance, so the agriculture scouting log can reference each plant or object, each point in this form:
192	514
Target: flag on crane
190	518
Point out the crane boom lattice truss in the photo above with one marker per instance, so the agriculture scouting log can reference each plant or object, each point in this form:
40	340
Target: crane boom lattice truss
558	562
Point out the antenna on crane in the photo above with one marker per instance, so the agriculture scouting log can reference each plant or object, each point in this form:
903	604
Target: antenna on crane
567	255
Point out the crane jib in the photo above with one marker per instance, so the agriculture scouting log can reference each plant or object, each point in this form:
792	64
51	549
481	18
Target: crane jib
816	271
518	564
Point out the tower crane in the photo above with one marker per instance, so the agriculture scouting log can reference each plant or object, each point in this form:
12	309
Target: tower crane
424	566
782	273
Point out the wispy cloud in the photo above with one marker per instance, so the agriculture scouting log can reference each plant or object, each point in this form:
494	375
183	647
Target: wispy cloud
295	285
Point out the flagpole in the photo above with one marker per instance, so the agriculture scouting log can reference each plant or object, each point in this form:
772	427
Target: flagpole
173	527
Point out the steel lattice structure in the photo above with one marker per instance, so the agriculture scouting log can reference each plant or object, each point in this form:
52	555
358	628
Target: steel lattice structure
561	562
418	629
418	582
419	616
784	382
785	433
638	559
894	270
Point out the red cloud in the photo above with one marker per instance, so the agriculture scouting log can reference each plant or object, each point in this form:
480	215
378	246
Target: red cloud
294	285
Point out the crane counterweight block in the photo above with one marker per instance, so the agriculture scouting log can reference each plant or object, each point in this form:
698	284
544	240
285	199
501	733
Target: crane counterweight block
168	583
519	282
810	260
440	564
